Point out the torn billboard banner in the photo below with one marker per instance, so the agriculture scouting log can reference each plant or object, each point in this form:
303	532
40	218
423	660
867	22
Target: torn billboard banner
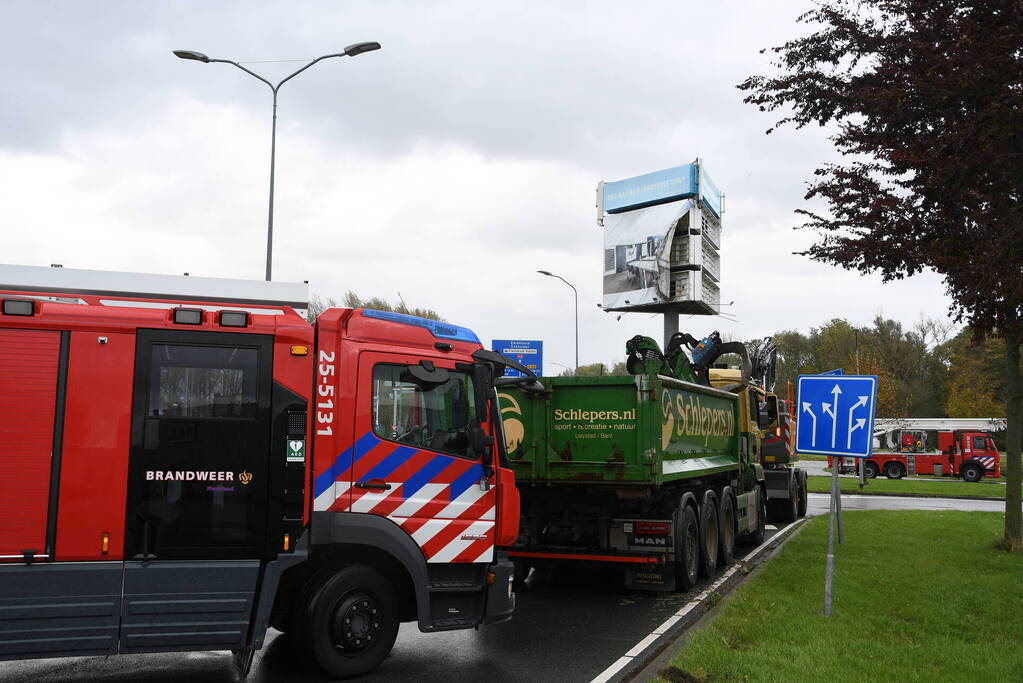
662	240
653	260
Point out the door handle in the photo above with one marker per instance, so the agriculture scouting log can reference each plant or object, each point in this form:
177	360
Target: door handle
373	484
147	543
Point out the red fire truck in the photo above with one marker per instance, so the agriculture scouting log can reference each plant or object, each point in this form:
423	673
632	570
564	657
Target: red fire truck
965	448
187	461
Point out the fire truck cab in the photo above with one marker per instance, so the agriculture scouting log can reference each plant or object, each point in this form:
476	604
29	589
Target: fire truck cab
187	461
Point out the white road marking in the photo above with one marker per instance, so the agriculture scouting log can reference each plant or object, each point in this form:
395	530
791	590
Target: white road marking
622	662
612	670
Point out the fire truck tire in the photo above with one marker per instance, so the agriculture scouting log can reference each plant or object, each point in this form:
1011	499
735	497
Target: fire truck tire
757	536
687	549
801	478
352	622
893	470
710	536
726	526
971	471
870	470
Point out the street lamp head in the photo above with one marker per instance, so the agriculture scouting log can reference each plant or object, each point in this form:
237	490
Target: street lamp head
359	48
546	272
193	55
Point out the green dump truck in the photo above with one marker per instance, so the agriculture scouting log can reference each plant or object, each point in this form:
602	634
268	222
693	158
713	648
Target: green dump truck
655	473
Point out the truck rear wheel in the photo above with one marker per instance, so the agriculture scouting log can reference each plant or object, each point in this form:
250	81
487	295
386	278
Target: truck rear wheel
352	622
801	483
785	510
870	469
971	471
757	537
709	535
726	526
687	549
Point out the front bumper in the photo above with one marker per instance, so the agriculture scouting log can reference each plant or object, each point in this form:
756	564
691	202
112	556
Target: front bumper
500	597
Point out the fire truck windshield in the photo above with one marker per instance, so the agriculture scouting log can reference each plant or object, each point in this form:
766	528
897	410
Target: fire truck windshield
435	416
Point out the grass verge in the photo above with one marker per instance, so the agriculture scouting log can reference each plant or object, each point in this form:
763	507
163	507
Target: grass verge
918	596
931	489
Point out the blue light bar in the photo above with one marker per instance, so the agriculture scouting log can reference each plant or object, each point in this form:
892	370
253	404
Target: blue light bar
436	328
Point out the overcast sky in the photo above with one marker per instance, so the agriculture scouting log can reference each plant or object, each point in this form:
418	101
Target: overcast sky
448	166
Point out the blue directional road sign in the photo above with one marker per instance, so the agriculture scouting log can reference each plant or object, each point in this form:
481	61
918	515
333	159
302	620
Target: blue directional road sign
525	351
836	414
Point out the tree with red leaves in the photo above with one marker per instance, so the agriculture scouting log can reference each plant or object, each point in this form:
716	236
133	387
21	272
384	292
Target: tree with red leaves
927	100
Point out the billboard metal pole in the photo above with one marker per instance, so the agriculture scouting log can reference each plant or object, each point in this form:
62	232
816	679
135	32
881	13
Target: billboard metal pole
670	326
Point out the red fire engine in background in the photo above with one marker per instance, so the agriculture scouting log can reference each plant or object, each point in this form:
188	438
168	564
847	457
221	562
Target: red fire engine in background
187	461
965	448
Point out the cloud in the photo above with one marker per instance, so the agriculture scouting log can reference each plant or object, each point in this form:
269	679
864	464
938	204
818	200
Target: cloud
449	166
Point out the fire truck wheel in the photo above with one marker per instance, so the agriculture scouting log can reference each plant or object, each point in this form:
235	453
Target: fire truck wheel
352	622
726	526
893	470
687	549
870	469
972	472
757	537
709	535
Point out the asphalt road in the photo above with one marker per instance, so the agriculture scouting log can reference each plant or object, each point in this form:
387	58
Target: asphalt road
568	626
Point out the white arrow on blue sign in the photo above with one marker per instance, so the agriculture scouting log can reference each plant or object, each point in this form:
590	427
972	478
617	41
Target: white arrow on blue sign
836	414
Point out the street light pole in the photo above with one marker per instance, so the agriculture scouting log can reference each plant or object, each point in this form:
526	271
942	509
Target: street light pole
576	293
350	51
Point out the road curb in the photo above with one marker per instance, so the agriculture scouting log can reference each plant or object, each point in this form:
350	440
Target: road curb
634	661
908	495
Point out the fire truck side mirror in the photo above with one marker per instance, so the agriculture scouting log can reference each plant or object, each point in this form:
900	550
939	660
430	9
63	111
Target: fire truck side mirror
480	444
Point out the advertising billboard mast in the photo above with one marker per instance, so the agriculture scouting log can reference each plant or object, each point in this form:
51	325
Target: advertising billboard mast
662	242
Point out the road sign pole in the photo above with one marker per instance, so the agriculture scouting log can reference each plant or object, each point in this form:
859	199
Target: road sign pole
838	505
862	472
830	399
829	567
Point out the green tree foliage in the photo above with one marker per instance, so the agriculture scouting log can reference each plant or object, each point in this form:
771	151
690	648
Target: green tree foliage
976	379
910	364
926	100
318	305
597	370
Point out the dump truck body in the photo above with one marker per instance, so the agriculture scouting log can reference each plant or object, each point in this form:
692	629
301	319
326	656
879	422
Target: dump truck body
657	474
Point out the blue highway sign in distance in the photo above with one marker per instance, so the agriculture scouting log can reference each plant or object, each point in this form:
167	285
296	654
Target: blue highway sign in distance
836	414
526	351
